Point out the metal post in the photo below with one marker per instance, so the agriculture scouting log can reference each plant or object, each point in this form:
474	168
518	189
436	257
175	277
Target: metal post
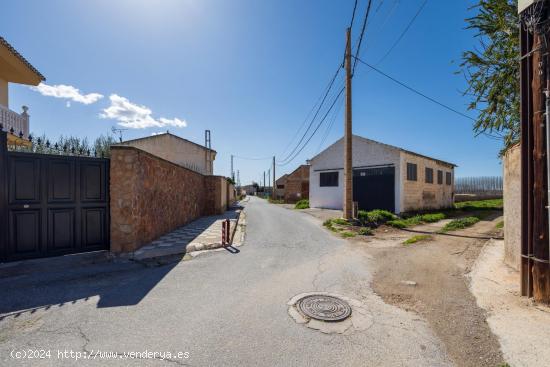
348	168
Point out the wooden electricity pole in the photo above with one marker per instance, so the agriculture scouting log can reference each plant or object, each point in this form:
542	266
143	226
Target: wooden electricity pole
541	274
535	116
273	191
348	168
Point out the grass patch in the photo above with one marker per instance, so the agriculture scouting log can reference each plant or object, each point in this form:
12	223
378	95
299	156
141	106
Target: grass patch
376	216
364	231
416	220
500	224
276	201
348	234
340	221
491	204
460	223
330	225
432	217
417	238
302	204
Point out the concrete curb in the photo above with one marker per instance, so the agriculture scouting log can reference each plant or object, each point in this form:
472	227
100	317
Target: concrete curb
193	249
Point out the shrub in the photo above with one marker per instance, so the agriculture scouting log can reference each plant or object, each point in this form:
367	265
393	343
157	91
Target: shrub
417	238
276	201
460	224
377	216
302	204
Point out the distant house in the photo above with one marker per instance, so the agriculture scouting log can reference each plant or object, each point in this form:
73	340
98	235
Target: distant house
249	189
297	185
280	186
14	68
384	177
177	150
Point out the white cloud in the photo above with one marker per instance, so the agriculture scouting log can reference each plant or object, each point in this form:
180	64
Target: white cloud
68	92
134	116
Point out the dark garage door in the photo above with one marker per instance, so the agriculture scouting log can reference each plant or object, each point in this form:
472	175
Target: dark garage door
374	188
53	205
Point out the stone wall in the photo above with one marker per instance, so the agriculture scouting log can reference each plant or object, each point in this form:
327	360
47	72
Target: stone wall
419	195
151	197
512	206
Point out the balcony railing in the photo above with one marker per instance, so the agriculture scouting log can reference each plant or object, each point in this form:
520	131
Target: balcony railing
12	120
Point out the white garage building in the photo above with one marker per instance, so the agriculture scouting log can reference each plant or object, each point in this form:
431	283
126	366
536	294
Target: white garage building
384	177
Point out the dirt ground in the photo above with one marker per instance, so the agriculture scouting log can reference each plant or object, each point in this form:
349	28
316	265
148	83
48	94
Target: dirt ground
430	278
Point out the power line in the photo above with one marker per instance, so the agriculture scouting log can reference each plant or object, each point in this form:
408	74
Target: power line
404	31
362	34
305	120
316	128
489	135
315	116
252	158
329	127
414	90
353	14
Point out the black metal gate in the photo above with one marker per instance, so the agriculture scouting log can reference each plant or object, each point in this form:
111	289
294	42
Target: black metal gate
374	188
52	204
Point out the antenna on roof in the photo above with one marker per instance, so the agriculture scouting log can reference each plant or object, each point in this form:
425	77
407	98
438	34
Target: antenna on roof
118	131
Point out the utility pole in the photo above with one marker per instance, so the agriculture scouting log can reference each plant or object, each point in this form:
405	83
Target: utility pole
348	168
534	104
208	152
273	191
264	183
232	173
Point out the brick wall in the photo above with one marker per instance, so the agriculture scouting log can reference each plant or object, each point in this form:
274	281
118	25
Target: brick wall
151	196
419	195
297	185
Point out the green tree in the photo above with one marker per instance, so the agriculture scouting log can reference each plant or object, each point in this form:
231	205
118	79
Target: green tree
492	69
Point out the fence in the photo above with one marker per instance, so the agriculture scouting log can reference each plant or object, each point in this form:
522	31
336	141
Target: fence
478	187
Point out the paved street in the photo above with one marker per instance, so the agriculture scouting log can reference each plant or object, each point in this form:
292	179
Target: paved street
224	309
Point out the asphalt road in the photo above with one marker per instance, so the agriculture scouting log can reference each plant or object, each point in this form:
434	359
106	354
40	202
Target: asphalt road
222	308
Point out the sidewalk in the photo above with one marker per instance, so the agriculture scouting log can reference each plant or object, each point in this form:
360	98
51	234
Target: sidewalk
521	325
202	234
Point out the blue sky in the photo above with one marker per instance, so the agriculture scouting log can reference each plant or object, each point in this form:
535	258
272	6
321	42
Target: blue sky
248	70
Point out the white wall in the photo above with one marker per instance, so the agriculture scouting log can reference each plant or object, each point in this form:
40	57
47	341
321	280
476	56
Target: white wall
365	153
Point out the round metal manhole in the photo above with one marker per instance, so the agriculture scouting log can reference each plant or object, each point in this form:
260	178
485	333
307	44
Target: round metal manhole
325	308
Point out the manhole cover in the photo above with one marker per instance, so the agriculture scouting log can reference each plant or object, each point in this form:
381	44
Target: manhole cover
326	308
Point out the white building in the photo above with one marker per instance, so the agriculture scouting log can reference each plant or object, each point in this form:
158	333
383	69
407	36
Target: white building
384	177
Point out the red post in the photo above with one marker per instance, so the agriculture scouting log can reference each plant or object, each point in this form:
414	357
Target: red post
226	226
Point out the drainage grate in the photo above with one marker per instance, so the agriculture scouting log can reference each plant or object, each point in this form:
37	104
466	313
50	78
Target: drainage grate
325	308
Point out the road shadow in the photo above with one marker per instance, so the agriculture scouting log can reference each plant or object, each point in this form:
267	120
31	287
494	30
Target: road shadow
106	281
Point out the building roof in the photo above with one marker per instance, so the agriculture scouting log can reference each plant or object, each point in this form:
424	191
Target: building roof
161	135
391	147
6	45
283	177
291	174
